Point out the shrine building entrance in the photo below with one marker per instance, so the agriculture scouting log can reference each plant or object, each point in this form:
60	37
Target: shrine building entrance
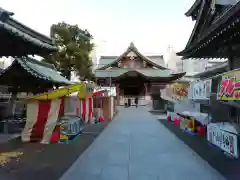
132	84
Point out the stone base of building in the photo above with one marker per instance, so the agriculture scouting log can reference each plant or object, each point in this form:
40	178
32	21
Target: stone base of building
142	100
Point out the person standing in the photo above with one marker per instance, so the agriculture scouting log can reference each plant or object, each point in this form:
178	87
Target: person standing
136	101
129	102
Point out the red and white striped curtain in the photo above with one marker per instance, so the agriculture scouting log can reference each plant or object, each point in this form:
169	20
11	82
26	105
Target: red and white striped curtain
41	120
86	106
42	117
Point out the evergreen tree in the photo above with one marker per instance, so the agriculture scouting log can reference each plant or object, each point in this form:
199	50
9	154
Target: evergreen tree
74	48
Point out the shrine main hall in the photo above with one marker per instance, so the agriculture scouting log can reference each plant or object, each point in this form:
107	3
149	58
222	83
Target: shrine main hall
134	75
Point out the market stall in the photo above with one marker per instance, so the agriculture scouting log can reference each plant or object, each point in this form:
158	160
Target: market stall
174	93
225	135
106	102
46	114
98	105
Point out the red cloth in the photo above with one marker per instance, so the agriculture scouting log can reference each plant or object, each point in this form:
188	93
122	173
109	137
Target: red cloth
38	128
101	119
90	109
98	93
175	118
83	109
201	130
169	118
176	121
61	110
55	135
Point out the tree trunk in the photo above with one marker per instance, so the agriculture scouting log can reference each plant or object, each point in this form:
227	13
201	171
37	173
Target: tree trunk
68	75
68	72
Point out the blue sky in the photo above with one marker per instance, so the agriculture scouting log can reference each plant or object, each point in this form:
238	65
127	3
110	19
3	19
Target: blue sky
152	25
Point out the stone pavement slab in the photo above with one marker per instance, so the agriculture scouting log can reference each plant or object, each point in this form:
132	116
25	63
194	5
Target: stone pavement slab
135	146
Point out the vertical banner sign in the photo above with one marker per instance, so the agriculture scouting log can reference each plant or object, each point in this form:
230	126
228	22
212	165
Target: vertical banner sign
229	87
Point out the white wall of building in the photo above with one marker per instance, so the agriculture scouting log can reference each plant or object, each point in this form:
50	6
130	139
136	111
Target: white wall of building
190	66
194	66
173	61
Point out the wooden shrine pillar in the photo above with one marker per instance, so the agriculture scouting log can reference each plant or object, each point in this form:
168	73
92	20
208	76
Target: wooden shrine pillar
147	98
146	89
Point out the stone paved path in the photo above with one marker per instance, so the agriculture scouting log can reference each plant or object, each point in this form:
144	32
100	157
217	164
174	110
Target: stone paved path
135	146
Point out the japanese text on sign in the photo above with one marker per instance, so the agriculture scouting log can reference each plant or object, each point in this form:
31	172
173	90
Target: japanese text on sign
229	89
226	141
200	89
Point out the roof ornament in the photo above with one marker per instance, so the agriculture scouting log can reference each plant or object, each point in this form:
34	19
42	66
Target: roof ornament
4	15
131	57
132	46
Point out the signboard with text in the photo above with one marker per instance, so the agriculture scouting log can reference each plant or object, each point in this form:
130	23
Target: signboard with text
176	91
229	87
200	89
226	141
70	125
87	91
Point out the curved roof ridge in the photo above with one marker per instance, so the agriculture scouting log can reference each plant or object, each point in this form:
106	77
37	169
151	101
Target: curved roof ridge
41	63
133	48
6	16
191	39
192	8
38	69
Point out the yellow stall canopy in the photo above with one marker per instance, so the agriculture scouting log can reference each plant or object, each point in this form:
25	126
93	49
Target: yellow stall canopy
84	90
